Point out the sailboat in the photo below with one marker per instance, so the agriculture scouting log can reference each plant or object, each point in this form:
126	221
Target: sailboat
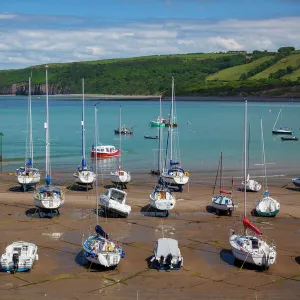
48	197
161	199
99	248
175	174
251	247
120	176
84	175
266	207
251	184
219	202
28	176
281	130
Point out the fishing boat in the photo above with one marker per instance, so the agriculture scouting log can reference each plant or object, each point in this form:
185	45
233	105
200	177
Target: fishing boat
222	203
84	175
28	175
161	199
48	197
104	151
251	184
120	176
251	247
266	207
167	255
19	257
122	128
281	130
296	181
113	203
99	249
174	174
159	122
289	138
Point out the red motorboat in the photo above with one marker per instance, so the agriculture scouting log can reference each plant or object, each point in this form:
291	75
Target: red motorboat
105	151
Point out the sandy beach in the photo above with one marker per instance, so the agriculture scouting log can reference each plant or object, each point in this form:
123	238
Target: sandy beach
208	271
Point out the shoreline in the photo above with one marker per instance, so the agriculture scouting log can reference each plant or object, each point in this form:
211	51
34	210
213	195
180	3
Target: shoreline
168	98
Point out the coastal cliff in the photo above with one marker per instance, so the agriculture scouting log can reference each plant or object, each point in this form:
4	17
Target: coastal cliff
22	88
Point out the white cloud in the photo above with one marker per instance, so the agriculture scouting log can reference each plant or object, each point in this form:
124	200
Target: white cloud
42	40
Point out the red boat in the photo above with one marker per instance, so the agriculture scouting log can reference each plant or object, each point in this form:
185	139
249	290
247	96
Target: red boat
105	151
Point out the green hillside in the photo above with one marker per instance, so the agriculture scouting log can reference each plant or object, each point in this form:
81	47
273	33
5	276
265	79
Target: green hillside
234	73
213	74
294	76
292	60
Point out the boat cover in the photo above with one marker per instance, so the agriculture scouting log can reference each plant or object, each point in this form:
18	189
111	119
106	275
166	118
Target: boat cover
247	224
167	246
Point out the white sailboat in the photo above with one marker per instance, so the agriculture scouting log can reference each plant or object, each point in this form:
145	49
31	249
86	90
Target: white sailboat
120	177
48	197
19	257
99	249
84	175
251	184
220	202
175	174
281	130
267	206
28	175
251	247
161	199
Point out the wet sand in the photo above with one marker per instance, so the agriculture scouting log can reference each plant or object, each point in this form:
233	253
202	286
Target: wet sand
208	271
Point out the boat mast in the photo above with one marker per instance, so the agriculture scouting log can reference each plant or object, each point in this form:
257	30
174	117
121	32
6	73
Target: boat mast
96	164
82	126
160	139
277	118
120	135
248	156
263	153
245	159
221	169
30	158
46	125
171	122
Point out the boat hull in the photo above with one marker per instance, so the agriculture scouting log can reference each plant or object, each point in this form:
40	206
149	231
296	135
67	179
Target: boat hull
49	198
157	124
282	132
120	177
289	139
162	204
258	257
29	180
267	214
178	180
296	181
85	177
105	155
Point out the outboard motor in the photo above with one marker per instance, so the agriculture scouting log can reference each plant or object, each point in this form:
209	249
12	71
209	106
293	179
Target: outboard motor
169	260
15	262
101	232
161	261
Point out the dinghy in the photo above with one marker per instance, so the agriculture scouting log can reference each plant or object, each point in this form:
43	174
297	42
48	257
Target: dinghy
113	202
167	255
84	175
28	176
266	207
251	248
19	257
296	181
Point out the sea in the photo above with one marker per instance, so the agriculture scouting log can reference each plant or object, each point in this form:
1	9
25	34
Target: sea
205	128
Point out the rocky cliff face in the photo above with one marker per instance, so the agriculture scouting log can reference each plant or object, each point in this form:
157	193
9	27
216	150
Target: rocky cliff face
21	88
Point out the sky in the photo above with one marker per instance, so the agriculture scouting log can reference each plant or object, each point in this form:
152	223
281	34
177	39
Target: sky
36	32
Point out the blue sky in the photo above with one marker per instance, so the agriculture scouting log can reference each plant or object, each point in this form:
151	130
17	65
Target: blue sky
38	31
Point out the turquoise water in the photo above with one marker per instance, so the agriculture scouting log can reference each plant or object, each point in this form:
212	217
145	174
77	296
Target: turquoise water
205	128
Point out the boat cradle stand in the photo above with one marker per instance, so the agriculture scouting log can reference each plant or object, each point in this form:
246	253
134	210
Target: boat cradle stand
120	185
46	212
